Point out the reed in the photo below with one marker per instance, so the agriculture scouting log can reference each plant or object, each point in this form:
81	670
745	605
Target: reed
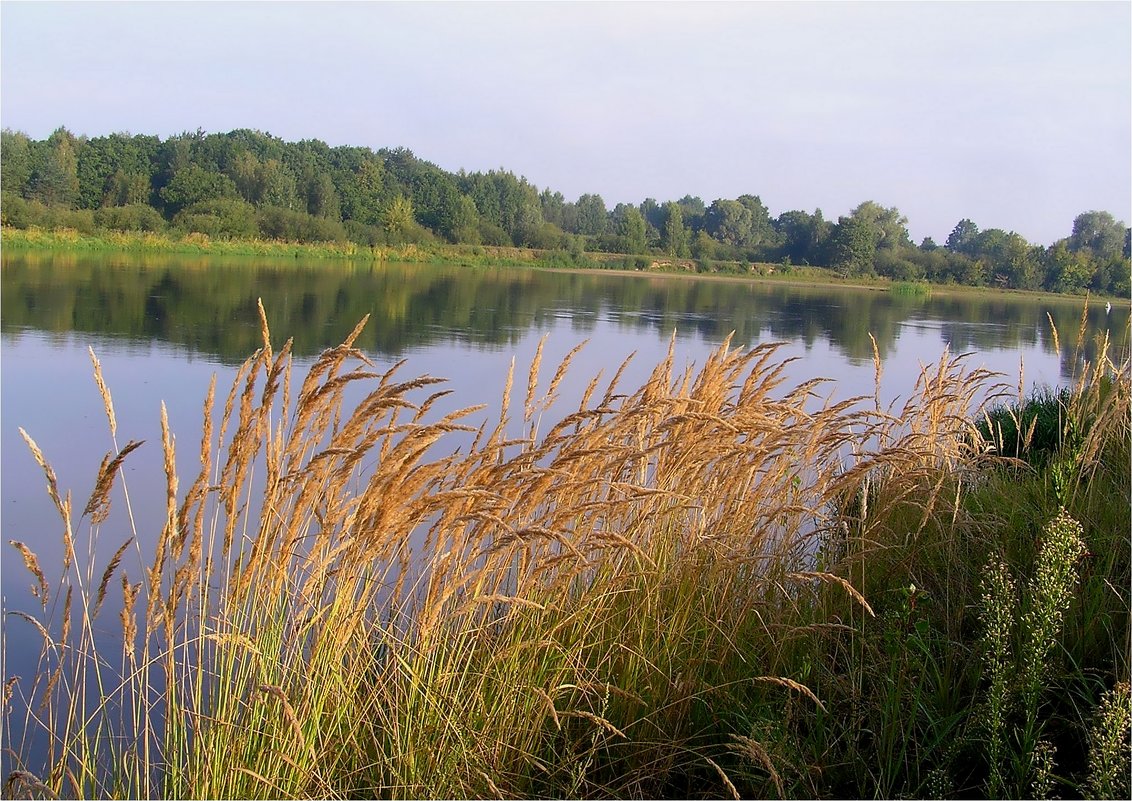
710	584
911	289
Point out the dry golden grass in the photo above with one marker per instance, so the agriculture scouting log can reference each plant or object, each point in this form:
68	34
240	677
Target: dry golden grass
333	608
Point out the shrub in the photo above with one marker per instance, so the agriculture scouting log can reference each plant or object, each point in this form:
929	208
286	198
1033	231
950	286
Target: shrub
135	217
493	235
15	211
360	233
219	219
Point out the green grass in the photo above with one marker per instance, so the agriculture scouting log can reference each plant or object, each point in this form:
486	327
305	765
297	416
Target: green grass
911	289
1035	429
709	585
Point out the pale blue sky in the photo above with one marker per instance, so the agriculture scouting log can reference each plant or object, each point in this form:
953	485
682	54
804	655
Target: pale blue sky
1017	115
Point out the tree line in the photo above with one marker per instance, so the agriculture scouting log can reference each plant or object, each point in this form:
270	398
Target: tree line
248	184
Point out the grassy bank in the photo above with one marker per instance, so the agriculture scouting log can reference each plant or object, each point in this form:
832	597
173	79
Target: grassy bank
171	243
201	244
711	585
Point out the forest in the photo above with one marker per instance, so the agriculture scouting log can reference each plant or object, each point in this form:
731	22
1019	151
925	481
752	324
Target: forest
247	184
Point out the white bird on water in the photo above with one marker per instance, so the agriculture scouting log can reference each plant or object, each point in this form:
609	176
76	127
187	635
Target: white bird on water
1108	307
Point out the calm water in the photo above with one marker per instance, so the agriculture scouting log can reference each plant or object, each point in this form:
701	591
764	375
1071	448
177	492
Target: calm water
162	327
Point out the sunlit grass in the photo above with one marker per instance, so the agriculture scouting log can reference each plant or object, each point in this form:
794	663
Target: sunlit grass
711	584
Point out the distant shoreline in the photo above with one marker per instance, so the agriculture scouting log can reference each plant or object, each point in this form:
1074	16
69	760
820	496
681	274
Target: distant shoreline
142	243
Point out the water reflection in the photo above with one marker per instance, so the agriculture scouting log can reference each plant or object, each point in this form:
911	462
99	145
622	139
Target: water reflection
208	306
163	326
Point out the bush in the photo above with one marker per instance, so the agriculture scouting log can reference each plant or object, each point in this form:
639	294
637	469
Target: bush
893	264
15	211
466	235
321	229
545	237
298	226
20	213
361	234
412	233
135	217
81	220
224	219
494	236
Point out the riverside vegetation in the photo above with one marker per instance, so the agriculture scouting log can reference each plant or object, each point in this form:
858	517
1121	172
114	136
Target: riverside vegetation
246	191
713	585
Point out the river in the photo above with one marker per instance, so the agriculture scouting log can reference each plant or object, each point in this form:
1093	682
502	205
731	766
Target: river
162	326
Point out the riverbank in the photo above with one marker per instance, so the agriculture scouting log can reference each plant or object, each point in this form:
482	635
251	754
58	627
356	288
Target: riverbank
486	256
711	585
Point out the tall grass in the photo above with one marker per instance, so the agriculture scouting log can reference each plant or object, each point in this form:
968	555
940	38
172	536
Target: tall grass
712	584
911	289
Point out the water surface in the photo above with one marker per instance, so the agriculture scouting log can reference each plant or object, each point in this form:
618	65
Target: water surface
162	326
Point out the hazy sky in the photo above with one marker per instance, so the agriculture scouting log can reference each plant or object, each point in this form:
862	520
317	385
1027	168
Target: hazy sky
1017	115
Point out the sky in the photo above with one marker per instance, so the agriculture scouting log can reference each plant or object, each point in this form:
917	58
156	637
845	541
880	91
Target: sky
1016	115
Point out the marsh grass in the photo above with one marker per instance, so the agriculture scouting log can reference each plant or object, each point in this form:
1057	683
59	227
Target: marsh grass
713	584
911	289
1034	429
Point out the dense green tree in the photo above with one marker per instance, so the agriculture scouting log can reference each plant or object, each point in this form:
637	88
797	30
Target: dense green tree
556	210
1068	270
126	189
962	237
485	191
1099	233
674	236
194	184
803	236
263	145
1022	263
322	197
692	210
853	246
889	225
435	195
898	264
174	154
116	170
1010	261
504	201
1112	277
547	236
729	221
15	211
528	221
15	162
55	180
246	174
278	186
653	213
763	233
398	218
703	246
361	185
632	228
593	219
465	228
491	234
